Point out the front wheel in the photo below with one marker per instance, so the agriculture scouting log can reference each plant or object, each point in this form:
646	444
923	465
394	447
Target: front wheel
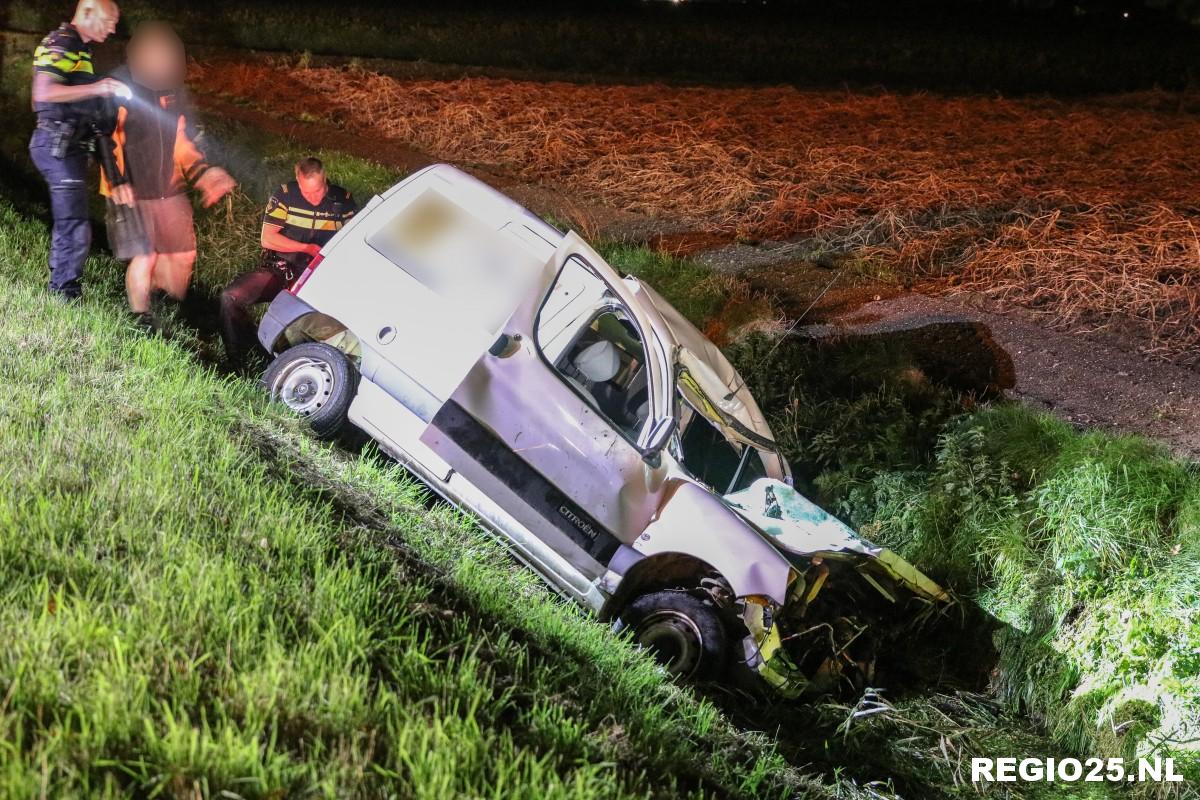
317	382
684	633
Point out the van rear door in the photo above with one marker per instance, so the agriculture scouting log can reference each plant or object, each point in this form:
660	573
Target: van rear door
429	281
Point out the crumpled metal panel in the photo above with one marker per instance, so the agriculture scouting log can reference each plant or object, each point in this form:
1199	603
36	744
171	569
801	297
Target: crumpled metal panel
797	525
696	522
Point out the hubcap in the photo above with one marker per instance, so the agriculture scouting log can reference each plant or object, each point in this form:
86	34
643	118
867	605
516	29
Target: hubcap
674	639
304	386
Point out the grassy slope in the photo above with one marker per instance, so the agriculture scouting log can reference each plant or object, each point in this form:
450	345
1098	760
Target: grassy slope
198	598
1082	547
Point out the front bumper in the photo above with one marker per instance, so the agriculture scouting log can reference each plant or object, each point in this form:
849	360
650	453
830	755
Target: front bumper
284	310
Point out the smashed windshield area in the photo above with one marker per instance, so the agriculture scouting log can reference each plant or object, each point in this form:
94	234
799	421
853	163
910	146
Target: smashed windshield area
715	461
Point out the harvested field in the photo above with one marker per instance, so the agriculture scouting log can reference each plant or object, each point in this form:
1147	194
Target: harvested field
1084	210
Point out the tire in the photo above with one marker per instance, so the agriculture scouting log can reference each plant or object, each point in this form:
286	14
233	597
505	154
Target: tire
684	633
317	382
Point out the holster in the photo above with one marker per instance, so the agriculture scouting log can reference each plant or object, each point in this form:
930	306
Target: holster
62	135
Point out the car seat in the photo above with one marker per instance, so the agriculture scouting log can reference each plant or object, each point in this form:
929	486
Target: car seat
598	362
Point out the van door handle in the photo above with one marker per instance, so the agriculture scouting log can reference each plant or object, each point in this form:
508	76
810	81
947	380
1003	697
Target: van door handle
386	335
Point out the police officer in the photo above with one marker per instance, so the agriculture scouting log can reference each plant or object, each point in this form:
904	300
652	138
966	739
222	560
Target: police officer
66	96
301	217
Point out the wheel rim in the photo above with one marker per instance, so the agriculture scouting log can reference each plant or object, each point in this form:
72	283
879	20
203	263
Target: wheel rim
674	639
304	386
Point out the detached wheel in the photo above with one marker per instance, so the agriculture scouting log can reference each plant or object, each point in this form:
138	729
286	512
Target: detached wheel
683	632
317	382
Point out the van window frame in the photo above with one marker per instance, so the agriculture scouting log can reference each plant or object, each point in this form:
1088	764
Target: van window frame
611	303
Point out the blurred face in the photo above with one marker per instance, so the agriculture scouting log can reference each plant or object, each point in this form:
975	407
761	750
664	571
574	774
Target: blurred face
156	57
96	20
313	187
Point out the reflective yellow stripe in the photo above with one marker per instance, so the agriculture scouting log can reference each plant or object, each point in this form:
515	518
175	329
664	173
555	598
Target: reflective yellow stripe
63	62
300	222
308	223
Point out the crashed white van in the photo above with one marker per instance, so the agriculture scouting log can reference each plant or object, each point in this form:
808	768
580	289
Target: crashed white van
589	426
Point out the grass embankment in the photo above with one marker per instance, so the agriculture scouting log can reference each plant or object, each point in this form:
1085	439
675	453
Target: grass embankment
1083	547
935	45
198	599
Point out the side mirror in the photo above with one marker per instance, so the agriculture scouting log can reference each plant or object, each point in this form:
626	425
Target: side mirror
660	436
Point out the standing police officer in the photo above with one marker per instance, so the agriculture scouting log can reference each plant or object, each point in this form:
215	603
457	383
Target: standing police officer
66	96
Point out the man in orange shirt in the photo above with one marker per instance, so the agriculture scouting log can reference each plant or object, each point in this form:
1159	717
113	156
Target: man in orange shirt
159	151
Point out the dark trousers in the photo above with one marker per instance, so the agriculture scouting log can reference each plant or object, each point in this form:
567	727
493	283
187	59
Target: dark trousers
71	236
237	326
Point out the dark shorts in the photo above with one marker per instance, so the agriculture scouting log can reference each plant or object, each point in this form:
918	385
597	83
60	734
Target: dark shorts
162	225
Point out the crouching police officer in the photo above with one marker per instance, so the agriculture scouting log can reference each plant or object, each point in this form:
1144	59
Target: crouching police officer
301	217
67	98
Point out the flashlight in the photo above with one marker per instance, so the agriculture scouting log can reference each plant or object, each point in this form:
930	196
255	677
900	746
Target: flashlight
123	91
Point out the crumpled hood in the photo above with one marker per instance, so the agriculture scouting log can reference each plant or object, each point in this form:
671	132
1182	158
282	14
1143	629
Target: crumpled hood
707	380
797	525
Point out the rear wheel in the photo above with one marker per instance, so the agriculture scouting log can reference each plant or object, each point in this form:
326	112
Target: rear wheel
684	633
317	382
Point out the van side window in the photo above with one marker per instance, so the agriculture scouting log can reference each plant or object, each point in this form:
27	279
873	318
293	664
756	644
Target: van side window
597	350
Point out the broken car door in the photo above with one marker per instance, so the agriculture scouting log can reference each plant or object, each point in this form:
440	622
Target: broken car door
557	417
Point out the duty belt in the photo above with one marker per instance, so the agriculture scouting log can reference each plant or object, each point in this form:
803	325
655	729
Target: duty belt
65	137
54	125
285	269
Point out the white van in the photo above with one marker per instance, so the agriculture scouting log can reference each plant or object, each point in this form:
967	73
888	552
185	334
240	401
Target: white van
589	426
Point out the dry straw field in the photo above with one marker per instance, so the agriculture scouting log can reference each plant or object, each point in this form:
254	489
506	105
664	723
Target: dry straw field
1083	210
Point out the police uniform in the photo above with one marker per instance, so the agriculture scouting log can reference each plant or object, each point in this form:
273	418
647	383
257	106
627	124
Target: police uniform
298	220
60	149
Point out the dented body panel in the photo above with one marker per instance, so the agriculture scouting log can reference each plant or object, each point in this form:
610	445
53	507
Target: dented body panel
581	419
693	520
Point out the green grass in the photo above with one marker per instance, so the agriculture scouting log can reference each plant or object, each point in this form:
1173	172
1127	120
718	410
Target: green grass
197	599
1081	546
693	288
